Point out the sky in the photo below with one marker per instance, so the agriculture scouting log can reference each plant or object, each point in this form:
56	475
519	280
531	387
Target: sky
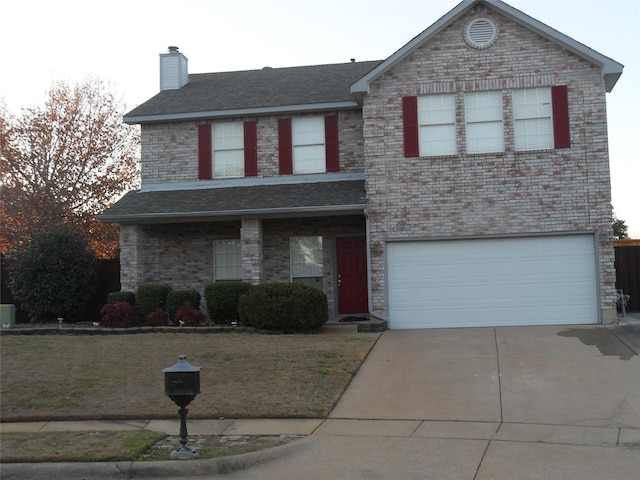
119	42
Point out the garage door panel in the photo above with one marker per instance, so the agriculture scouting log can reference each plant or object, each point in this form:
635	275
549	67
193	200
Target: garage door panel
515	281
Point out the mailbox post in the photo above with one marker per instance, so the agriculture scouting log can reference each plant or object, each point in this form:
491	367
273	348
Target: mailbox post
182	384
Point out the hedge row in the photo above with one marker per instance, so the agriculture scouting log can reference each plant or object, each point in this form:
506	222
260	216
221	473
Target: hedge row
269	306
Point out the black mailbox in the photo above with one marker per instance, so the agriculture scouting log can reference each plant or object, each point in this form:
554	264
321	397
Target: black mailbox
182	379
182	384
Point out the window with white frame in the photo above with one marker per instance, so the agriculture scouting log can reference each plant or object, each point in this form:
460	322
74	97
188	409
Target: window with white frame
484	126
227	264
532	119
306	260
228	149
308	137
437	124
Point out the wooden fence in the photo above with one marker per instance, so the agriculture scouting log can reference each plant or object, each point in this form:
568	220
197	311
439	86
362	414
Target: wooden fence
628	271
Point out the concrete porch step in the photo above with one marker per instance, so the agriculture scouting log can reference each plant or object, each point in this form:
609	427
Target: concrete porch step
360	323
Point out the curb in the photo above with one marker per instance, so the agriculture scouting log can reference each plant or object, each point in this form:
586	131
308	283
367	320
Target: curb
141	469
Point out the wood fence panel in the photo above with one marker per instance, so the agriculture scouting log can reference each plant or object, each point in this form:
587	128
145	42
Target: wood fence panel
628	274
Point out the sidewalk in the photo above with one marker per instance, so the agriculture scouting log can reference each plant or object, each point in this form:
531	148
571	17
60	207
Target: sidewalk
172	427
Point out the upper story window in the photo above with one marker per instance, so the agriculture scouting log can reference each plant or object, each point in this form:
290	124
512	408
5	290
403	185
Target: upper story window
308	145
437	125
228	149
540	121
484	128
307	135
532	119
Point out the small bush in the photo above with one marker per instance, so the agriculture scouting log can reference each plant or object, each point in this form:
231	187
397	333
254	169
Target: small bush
177	298
151	296
117	297
118	315
189	316
284	306
222	300
157	318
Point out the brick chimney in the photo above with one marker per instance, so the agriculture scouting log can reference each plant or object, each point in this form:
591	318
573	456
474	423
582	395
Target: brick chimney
174	72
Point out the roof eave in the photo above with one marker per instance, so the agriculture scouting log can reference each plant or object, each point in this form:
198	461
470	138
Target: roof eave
179	217
241	112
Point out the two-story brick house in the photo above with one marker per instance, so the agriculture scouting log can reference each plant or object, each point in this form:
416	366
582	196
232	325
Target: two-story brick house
462	181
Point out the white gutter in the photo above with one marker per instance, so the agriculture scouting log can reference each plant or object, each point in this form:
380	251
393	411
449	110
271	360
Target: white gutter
251	182
372	313
240	112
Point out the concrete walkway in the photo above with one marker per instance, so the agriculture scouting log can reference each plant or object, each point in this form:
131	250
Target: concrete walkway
479	404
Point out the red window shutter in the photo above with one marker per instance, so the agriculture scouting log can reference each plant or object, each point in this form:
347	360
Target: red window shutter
410	123
285	146
204	152
560	105
331	143
250	149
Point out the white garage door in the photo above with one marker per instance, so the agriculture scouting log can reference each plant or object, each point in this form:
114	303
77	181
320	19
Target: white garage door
489	282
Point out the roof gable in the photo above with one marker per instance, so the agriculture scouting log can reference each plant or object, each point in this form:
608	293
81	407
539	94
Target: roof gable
610	69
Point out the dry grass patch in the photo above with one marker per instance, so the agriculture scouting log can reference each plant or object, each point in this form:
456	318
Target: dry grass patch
52	377
76	446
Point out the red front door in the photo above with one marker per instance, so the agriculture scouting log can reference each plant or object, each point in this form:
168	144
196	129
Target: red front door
352	274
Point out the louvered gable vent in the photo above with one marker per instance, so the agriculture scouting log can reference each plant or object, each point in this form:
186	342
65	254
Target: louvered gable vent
481	33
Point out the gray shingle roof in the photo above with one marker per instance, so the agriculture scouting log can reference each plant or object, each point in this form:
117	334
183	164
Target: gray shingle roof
218	203
267	88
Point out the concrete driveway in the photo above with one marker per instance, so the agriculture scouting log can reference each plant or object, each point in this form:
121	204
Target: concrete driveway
541	403
577	376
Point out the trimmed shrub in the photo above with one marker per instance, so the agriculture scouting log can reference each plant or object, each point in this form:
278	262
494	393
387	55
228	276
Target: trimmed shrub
117	297
222	300
177	298
118	315
284	306
189	316
151	296
157	318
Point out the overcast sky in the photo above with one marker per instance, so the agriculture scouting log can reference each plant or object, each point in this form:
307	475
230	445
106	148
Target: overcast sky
119	41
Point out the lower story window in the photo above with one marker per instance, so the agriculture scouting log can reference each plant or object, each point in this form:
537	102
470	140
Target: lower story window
227	263
306	260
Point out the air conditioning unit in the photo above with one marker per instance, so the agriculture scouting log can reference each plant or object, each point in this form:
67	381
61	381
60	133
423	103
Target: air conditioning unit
7	316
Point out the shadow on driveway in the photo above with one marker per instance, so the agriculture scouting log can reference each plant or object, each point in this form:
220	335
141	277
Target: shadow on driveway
608	344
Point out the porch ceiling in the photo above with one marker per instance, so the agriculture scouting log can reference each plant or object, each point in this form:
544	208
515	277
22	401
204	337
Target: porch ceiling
301	199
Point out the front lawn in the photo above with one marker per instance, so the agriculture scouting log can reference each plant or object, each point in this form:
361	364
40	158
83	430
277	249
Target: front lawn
55	377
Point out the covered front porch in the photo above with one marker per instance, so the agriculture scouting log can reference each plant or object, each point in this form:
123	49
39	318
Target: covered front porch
328	253
309	229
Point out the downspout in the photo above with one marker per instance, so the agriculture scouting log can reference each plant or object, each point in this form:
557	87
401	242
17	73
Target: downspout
372	313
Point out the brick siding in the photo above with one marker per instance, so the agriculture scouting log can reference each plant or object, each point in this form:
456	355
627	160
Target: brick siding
169	151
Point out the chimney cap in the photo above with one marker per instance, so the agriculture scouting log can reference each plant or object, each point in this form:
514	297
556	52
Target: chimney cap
173	49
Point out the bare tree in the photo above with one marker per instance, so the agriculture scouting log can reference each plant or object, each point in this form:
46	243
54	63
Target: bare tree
65	163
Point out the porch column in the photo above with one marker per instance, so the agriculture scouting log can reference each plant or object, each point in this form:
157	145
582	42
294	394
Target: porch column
251	250
131	257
